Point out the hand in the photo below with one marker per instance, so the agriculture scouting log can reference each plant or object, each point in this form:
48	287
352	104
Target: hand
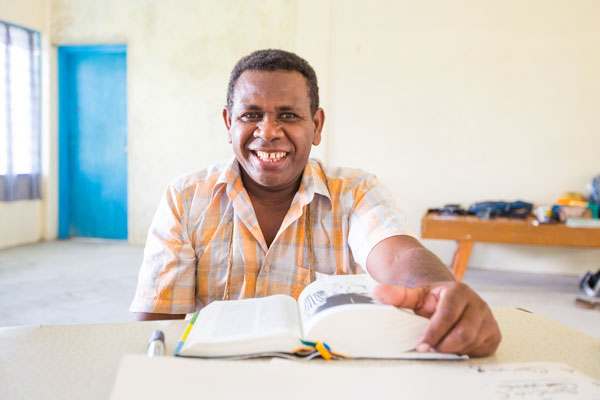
459	320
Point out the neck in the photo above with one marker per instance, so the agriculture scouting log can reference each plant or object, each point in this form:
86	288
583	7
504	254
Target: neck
276	197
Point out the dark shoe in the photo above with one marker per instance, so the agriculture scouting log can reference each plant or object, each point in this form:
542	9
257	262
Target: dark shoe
590	284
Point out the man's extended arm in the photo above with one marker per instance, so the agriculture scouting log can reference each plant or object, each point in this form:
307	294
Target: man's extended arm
413	277
402	260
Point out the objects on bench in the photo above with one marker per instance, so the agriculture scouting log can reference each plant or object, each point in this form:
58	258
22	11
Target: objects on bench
468	229
489	209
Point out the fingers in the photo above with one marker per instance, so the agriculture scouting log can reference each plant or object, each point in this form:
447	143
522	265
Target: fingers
399	296
448	312
461	340
475	331
490	339
460	321
464	336
489	345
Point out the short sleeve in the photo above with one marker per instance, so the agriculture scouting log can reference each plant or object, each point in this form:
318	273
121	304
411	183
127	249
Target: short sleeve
167	277
374	217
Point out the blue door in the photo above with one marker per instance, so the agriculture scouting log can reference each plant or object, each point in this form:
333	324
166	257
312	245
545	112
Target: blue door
92	141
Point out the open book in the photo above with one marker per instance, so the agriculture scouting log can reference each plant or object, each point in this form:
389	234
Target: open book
337	310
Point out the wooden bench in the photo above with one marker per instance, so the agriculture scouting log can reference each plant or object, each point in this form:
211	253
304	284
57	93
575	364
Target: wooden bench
467	230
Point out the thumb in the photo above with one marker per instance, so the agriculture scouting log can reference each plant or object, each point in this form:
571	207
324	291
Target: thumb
400	296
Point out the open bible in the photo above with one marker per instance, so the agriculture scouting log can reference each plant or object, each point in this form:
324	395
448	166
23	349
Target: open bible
337	311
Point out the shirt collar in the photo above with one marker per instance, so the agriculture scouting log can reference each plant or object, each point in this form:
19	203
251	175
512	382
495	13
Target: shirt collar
313	180
229	177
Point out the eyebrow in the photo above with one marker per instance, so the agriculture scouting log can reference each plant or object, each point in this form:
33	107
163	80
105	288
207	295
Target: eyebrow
254	107
287	108
251	107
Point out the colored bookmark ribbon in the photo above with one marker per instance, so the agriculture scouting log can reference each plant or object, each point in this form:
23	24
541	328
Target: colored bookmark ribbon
185	334
321	347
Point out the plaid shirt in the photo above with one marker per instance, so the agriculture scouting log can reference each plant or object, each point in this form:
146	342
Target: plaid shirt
186	255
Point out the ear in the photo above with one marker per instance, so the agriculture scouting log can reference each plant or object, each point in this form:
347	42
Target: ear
227	120
318	121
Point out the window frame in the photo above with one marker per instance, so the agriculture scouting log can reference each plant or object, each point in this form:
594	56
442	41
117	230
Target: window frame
24	186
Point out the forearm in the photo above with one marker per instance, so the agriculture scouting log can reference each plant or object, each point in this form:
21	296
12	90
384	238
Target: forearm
139	316
402	260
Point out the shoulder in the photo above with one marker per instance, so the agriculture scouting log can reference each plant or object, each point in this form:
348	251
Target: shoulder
189	195
199	182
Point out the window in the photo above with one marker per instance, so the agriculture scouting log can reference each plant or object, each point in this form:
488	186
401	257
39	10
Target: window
19	113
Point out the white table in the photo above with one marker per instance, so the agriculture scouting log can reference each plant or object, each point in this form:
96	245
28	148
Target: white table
81	361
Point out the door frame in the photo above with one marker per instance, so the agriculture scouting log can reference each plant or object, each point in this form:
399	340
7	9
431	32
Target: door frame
64	206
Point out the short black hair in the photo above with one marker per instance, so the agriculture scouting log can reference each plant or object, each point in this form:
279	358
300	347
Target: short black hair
272	60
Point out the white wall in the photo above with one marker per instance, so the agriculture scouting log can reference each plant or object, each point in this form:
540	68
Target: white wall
21	222
25	221
456	101
466	101
179	56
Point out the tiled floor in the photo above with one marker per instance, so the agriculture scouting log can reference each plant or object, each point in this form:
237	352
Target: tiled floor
76	281
68	282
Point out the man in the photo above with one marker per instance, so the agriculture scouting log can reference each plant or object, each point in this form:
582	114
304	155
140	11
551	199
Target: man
272	220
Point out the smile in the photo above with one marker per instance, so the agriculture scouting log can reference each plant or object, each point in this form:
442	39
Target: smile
270	156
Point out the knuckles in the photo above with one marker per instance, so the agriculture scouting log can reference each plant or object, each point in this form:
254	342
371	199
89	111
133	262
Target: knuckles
448	315
465	335
462	291
482	341
456	292
458	289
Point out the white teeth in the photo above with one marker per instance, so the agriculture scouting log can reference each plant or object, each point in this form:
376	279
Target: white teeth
270	157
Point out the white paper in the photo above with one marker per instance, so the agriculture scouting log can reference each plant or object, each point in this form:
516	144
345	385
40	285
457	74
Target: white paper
169	377
533	381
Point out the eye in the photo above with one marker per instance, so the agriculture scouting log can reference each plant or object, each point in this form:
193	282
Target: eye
250	116
289	116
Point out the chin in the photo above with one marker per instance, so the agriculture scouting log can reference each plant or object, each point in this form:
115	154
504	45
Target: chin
270	183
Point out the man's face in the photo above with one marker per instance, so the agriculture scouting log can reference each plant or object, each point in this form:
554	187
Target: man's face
271	127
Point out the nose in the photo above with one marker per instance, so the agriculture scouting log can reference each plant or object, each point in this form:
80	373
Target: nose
268	128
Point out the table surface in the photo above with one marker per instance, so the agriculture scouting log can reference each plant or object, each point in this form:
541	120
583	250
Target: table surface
506	230
81	361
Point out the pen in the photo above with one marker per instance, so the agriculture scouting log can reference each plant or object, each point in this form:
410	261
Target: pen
156	344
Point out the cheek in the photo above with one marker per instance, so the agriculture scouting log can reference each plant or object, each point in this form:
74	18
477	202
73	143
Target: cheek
303	142
240	138
237	136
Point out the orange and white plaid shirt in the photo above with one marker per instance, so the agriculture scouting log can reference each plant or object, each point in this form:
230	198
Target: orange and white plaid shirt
186	256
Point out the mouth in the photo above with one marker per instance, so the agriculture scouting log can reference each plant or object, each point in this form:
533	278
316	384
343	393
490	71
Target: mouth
270	156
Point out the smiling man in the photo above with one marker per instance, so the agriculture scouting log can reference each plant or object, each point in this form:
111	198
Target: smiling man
272	220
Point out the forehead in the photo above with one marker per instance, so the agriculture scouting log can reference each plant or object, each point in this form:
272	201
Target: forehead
266	87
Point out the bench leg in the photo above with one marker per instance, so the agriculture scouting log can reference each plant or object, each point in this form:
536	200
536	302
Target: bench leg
461	259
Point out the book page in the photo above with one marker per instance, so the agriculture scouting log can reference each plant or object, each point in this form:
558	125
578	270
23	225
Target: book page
340	311
333	291
222	321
